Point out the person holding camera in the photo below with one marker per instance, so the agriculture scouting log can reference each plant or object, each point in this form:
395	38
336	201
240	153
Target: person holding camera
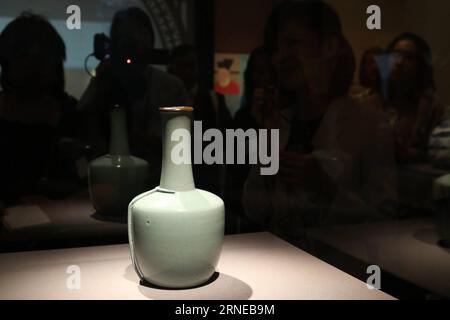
126	77
336	157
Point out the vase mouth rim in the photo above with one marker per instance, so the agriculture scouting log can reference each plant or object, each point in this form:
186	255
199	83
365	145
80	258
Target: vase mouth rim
176	109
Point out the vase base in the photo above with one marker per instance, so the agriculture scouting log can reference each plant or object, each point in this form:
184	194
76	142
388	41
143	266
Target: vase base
148	284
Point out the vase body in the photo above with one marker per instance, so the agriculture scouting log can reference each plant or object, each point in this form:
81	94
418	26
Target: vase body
175	230
439	146
116	178
441	200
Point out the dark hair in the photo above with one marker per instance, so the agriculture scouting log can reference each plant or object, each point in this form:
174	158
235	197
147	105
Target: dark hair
29	31
363	77
249	82
182	50
342	77
134	14
316	15
425	75
323	19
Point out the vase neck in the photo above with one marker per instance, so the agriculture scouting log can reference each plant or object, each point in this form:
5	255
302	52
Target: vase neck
176	174
118	144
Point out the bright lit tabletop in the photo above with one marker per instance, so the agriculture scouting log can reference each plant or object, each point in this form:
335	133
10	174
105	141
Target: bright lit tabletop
252	266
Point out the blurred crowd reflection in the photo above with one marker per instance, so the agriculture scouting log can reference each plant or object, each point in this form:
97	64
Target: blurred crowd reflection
342	155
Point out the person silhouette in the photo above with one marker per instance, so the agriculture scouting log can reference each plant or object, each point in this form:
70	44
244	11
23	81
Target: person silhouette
35	111
128	78
328	175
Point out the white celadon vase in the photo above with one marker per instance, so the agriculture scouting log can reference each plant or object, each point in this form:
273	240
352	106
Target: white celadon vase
116	178
175	230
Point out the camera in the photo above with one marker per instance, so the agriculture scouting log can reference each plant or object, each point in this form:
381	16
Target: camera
102	45
102	50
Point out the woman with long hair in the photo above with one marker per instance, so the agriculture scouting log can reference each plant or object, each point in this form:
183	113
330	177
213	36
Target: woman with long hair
411	103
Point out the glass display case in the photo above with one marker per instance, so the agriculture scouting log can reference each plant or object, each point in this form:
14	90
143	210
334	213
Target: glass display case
309	156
